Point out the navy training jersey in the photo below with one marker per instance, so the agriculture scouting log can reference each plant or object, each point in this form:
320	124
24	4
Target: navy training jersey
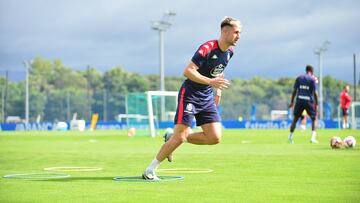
306	87
211	61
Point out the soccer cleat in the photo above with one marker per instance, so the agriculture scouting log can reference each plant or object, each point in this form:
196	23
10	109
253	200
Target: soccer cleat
290	141
314	141
169	132
150	175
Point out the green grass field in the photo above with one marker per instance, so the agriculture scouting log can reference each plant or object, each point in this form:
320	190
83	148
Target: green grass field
248	166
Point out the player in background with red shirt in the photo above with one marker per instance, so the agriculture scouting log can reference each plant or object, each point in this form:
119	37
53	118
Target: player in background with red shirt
345	102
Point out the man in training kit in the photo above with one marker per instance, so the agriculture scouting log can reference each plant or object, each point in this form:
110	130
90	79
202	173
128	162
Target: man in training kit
345	103
196	97
306	99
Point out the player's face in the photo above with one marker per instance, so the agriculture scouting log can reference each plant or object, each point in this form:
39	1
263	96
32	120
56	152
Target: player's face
233	35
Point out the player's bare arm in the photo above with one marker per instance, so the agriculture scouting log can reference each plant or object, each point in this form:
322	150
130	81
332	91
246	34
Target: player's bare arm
292	98
217	96
192	74
218	93
316	99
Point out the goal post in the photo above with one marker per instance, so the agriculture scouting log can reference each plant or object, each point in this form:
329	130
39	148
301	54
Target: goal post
150	108
354	115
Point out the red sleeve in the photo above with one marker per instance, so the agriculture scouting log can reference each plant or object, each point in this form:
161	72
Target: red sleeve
200	55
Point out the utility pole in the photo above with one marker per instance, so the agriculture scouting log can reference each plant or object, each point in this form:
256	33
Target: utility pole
68	106
105	105
2	104
27	66
88	112
161	26
5	95
320	52
354	77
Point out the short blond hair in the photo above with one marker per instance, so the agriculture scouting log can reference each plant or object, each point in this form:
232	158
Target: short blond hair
230	21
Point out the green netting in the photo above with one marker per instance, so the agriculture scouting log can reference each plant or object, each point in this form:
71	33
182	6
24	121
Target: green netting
138	112
354	116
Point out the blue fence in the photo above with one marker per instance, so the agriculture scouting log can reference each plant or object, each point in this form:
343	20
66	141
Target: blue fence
115	125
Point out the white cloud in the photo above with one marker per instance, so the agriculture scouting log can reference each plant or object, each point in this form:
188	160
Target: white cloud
277	34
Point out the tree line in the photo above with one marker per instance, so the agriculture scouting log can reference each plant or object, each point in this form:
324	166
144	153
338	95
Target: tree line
56	91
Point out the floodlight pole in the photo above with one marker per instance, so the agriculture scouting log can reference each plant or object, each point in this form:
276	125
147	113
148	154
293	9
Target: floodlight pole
27	66
4	96
354	77
161	26
320	52
162	59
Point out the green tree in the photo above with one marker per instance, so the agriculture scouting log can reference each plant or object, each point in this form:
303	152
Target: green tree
115	82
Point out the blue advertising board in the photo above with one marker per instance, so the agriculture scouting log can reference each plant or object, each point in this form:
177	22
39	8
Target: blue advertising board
115	125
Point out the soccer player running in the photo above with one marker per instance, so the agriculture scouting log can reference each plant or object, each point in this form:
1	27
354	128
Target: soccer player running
306	99
196	97
345	102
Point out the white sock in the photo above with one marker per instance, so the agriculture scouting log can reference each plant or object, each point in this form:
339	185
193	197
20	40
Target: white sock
291	135
154	165
313	135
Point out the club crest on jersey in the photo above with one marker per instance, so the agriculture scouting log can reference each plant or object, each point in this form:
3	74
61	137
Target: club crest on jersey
217	70
189	108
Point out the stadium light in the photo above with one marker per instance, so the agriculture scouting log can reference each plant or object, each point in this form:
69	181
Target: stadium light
320	52
161	26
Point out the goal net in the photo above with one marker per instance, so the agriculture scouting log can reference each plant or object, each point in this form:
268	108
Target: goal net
145	110
354	116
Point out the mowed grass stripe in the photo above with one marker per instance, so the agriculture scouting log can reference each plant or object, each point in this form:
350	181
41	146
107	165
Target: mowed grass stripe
249	166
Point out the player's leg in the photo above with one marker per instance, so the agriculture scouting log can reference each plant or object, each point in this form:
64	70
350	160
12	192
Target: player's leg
311	108
343	118
179	136
346	121
313	132
292	129
298	109
167	137
303	120
182	122
209	120
346	116
210	135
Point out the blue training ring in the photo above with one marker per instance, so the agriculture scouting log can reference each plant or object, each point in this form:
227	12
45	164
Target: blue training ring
140	179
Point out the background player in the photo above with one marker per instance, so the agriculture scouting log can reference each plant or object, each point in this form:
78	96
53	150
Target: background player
306	99
345	102
303	120
196	97
304	114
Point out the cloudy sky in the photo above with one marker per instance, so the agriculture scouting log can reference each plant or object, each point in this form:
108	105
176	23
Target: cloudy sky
278	37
